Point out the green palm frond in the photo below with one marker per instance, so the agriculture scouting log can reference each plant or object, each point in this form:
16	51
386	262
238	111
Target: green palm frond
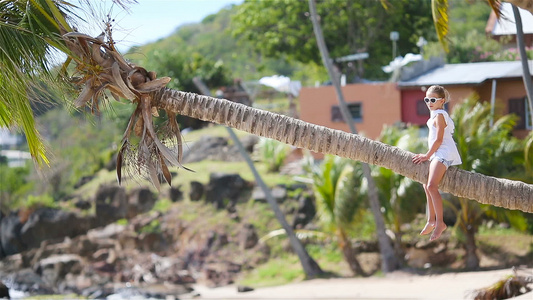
439	9
349	194
27	31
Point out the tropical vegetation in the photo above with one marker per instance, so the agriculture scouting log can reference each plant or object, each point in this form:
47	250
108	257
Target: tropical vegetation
340	191
98	66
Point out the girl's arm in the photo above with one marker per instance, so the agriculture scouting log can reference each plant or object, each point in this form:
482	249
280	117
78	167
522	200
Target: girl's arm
440	124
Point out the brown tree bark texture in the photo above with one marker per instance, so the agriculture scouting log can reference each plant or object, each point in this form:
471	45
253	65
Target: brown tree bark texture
484	189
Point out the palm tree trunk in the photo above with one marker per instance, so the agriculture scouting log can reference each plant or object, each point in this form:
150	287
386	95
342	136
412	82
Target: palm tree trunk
526	75
484	189
471	258
389	259
349	254
398	248
309	265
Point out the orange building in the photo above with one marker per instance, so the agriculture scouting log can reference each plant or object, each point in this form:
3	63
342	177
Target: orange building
372	105
499	83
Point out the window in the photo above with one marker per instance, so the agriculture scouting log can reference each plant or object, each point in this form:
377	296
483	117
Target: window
520	107
421	108
355	108
529	122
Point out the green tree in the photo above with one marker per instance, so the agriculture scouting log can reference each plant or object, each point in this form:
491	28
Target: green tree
182	67
282	28
15	186
400	196
339	191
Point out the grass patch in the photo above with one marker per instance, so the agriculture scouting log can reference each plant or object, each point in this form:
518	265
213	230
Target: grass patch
203	169
162	204
498	231
276	271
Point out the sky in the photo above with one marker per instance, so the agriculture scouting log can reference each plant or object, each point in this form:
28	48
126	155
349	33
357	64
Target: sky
149	20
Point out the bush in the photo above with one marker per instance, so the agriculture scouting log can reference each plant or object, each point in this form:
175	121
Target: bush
272	153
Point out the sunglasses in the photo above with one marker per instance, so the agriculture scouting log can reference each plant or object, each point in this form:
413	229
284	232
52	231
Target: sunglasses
433	100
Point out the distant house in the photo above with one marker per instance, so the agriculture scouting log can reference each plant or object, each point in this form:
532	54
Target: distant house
374	105
504	29
15	158
498	82
8	139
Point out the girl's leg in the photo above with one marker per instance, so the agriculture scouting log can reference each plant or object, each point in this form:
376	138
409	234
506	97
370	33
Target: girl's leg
430	213
436	172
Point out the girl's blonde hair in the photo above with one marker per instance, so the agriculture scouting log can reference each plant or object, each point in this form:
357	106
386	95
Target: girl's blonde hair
440	91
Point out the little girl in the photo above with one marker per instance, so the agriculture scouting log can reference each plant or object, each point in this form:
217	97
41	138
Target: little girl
442	153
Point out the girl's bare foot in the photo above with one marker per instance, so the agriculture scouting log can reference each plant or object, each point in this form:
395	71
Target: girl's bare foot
427	229
437	232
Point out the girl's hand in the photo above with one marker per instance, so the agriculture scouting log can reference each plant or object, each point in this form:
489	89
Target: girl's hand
419	158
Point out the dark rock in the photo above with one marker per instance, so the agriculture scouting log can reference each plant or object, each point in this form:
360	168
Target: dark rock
4	291
152	241
211	148
83	204
27	281
140	200
111	165
83	246
244	289
279	194
104	267
305	213
248	237
83	181
197	191
50	223
111	204
54	269
175	194
226	189
10	228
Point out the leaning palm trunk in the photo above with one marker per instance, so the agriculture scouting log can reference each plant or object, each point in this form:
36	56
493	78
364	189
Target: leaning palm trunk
309	265
101	67
481	188
468	224
388	257
350	254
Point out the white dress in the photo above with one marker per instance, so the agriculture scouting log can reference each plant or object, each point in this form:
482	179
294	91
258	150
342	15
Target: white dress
447	150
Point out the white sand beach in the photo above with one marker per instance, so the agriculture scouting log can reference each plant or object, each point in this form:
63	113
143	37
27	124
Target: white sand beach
396	285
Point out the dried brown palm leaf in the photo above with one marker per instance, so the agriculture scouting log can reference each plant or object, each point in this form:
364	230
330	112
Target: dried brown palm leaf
101	67
512	286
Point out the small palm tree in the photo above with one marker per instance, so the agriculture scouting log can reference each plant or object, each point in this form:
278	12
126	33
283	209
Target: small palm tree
339	190
272	153
401	196
490	150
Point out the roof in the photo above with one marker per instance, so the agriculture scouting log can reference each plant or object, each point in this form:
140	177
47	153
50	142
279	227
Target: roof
469	73
506	24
